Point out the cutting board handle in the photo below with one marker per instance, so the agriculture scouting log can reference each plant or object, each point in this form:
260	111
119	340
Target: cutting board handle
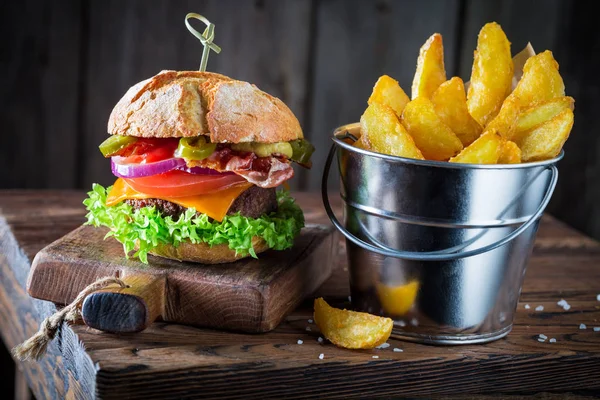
131	309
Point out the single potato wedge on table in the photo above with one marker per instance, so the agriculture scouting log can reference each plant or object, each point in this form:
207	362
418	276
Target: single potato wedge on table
387	91
450	103
351	329
540	113
434	138
546	141
431	72
491	77
381	131
511	153
485	150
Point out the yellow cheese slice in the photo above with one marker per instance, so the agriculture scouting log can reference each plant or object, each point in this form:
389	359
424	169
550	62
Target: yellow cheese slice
215	204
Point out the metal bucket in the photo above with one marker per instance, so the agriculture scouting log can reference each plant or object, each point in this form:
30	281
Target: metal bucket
439	247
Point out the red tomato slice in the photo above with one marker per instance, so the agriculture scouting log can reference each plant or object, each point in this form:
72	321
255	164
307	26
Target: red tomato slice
146	151
180	184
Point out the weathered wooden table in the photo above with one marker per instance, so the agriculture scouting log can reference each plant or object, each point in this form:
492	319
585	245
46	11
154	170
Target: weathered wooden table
173	361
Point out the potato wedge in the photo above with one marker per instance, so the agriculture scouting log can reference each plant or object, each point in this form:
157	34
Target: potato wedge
351	329
485	150
435	140
387	91
540	113
450	103
382	132
546	141
397	300
511	153
430	73
541	80
491	76
361	144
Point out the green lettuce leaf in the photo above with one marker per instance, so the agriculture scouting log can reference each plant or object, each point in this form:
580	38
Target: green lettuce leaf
147	228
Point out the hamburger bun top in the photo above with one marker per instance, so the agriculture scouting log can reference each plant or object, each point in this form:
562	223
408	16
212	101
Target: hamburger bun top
192	103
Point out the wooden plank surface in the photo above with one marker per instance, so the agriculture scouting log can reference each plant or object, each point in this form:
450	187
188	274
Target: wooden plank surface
250	295
175	361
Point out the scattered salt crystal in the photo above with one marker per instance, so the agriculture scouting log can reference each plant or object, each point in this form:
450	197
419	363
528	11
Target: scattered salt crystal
300	341
598	297
350	298
308	329
541	340
321	356
383	346
375	356
597	329
310	321
552	340
414	322
527	306
397	350
543	336
567	307
402	323
582	326
539	308
562	302
320	339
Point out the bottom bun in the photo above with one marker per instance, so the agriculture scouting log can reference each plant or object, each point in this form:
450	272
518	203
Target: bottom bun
203	253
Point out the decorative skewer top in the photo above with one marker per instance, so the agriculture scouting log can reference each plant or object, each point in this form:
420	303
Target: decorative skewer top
206	37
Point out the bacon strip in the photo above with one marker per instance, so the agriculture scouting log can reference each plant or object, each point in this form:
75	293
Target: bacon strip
265	172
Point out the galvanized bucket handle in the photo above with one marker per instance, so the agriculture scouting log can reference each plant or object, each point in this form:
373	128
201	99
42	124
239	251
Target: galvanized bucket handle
437	255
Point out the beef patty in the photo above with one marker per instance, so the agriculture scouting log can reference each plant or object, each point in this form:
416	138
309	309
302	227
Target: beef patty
253	203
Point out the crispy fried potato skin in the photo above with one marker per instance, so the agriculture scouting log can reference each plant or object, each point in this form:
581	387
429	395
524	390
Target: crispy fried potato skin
546	140
540	113
511	153
430	73
387	91
491	76
381	131
435	140
485	150
450	103
351	329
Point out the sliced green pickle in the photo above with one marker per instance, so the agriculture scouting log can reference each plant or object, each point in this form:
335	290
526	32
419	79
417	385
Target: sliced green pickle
195	148
302	151
114	144
265	149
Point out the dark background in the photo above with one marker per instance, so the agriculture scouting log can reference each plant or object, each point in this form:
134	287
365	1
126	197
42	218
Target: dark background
64	64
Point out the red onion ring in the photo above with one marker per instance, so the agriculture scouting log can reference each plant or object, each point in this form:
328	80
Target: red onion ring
141	170
123	170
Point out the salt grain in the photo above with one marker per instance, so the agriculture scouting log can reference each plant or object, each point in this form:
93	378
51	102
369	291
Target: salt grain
562	302
321	356
300	341
598	297
527	306
597	329
375	356
320	339
414	322
308	329
552	340
397	350
539	308
582	326
567	307
543	336
541	340
402	323
310	321
383	346
350	298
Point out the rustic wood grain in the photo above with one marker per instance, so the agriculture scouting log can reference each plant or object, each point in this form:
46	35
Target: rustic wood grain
250	295
177	361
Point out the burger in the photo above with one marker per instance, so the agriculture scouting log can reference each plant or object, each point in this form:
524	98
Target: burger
198	157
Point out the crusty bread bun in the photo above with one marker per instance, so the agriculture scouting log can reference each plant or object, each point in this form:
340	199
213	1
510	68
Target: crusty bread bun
193	103
203	253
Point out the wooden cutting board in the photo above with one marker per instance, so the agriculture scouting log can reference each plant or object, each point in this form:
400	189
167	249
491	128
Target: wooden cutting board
249	295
